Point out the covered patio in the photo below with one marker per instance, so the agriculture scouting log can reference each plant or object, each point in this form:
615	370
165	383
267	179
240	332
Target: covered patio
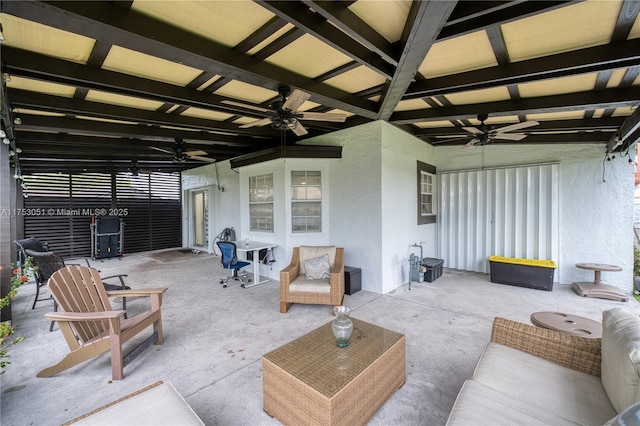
215	338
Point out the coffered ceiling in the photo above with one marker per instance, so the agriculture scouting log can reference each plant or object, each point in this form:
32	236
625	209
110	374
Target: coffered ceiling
94	85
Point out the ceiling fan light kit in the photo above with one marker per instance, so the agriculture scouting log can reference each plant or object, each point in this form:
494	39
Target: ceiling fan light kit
484	135
180	155
284	115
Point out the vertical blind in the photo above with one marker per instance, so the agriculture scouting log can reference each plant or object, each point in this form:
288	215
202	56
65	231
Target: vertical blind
58	208
509	212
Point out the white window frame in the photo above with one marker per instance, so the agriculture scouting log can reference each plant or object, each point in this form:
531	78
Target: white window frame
299	200
427	185
261	199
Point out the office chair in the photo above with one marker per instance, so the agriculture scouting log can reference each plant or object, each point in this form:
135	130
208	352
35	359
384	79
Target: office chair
229	260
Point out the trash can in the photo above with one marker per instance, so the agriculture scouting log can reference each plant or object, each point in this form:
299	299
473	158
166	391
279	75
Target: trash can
433	268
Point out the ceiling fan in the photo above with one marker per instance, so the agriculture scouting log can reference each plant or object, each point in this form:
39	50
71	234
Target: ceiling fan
135	170
484	134
180	155
283	113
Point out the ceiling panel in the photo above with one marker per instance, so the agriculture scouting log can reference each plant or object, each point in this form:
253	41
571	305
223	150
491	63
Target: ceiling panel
356	80
225	22
411	104
479	96
635	30
434	124
208	114
581	25
122	100
246	92
139	64
41	86
18	111
309	57
387	18
565	115
44	39
579	83
465	53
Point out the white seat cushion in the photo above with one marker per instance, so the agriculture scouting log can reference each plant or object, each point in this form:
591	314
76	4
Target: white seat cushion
574	395
621	357
481	405
159	405
302	285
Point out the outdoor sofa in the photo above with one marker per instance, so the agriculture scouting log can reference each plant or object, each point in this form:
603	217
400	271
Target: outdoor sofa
532	376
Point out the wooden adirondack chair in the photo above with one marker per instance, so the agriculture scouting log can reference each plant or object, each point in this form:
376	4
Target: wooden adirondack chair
89	324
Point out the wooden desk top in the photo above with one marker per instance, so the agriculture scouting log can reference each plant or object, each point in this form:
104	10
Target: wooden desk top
598	267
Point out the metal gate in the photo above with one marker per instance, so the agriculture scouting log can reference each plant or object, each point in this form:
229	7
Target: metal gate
510	211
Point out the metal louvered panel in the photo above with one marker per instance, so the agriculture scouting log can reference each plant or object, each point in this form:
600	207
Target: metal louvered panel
60	208
509	212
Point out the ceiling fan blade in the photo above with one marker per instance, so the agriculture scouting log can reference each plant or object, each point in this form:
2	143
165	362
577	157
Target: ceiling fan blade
299	129
166	151
517	126
195	152
448	140
509	136
322	116
295	99
247	106
260	122
205	159
472	142
473	130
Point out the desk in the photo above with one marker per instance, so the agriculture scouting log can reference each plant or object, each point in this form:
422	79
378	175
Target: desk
255	247
596	288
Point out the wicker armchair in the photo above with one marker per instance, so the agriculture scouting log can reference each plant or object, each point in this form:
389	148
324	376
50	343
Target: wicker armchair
296	288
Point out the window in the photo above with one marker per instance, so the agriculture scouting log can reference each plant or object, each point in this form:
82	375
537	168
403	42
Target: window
426	195
261	203
306	201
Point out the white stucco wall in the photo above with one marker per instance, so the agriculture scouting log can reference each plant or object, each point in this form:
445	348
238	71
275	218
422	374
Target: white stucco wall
373	192
400	229
595	216
224	198
356	199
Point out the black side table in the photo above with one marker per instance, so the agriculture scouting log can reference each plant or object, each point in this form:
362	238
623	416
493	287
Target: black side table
352	280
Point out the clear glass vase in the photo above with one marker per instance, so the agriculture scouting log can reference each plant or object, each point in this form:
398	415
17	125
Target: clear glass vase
342	326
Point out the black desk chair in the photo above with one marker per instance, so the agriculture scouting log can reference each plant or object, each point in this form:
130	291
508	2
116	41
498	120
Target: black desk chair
229	260
34	245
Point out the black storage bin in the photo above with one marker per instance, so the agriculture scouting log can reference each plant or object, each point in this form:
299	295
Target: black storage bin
434	268
352	280
529	273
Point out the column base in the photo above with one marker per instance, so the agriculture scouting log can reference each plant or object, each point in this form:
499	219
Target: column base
600	291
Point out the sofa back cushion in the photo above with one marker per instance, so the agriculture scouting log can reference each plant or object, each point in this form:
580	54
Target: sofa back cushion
621	357
310	252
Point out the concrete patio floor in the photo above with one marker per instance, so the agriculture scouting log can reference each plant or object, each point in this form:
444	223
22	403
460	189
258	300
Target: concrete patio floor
215	338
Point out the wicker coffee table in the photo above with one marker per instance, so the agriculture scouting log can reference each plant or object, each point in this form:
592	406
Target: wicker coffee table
312	381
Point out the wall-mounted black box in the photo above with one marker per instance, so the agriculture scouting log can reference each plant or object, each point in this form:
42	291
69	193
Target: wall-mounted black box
434	268
352	279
